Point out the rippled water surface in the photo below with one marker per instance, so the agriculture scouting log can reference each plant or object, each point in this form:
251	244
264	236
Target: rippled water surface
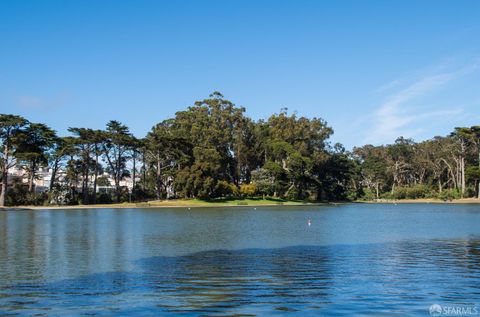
354	259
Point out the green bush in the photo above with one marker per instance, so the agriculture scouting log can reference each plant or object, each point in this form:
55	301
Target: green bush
226	189
17	195
248	190
104	198
470	191
60	195
449	194
368	194
292	194
37	199
413	192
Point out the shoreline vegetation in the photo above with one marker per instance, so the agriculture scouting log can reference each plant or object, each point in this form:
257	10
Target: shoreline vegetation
185	203
212	151
423	201
268	202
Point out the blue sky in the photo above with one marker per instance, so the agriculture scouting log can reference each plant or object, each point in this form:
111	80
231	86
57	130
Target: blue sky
374	70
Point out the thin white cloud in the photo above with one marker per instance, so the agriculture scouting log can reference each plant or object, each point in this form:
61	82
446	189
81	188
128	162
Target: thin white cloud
396	115
28	102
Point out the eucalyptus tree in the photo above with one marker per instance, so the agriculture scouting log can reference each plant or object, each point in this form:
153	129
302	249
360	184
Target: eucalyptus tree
400	156
475	139
166	152
335	175
462	137
473	174
11	127
293	150
214	129
374	167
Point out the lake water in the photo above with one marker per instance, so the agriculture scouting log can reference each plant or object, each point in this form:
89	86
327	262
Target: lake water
354	259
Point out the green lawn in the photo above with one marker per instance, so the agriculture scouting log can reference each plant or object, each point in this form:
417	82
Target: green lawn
220	202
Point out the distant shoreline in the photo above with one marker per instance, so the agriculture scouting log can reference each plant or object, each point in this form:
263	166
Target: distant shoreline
423	201
194	203
240	203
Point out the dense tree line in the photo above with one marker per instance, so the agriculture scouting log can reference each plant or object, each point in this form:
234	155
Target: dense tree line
212	149
443	167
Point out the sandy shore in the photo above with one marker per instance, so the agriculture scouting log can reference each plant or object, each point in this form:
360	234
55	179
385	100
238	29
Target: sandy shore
426	201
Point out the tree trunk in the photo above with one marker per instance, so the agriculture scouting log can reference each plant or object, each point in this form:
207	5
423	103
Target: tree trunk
95	176
159	176
33	166
462	162
3	192
144	170
478	193
133	172
117	189
54	174
377	191
118	175
87	172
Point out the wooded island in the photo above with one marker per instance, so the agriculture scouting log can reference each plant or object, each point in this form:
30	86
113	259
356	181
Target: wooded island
213	150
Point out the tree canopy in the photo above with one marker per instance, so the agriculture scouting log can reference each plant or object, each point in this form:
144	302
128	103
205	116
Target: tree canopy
213	150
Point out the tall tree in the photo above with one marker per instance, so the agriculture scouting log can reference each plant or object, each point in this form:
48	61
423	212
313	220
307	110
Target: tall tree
97	138
10	128
462	136
85	146
61	148
161	152
117	150
37	141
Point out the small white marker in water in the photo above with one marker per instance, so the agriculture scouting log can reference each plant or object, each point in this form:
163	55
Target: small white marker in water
255	208
309	222
188	208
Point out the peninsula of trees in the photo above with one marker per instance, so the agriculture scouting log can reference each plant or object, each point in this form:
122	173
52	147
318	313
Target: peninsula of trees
212	150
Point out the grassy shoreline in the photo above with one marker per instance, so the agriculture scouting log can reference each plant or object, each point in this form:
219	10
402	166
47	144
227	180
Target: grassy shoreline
197	203
183	203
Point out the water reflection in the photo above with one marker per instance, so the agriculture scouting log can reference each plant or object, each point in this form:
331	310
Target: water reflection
389	278
353	260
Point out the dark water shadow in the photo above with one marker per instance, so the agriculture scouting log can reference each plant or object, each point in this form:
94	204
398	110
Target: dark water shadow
401	278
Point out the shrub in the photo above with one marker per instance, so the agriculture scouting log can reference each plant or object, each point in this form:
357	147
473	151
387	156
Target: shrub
470	191
104	198
368	194
248	190
60	195
449	194
37	199
17	195
292	193
226	189
413	192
